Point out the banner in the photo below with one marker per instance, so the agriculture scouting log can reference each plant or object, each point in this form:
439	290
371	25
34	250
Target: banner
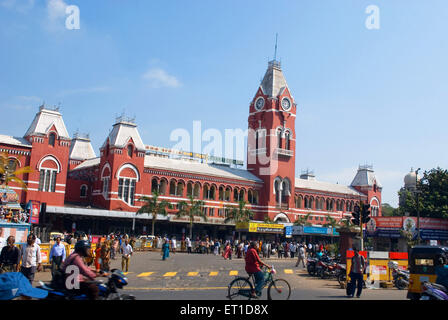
35	210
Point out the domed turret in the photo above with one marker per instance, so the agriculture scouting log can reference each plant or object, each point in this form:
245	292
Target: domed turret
410	180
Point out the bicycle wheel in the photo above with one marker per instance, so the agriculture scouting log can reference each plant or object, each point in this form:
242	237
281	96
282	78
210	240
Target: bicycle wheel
279	289
240	289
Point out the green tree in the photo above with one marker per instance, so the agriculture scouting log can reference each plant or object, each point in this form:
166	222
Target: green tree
388	211
303	221
239	214
432	197
191	209
154	206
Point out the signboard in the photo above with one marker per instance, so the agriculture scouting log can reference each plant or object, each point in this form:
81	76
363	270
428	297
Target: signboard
35	208
297	230
259	227
288	231
390	227
18	231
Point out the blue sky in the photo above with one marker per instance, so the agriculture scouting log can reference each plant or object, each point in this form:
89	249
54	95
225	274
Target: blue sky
365	96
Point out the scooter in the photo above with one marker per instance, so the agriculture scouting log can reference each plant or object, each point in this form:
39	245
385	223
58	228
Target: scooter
400	277
433	291
107	291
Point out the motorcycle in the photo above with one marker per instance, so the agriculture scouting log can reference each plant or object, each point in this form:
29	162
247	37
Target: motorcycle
107	291
433	291
321	265
400	277
311	266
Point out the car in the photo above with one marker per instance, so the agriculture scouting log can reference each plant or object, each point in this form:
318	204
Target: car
146	237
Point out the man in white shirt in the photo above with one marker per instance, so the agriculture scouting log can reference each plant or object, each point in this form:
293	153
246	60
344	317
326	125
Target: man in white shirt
31	259
188	244
127	252
173	244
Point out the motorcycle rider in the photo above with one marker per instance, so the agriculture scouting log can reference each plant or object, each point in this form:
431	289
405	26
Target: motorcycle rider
86	275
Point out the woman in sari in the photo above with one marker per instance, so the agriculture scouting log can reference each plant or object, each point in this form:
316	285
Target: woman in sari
227	252
165	250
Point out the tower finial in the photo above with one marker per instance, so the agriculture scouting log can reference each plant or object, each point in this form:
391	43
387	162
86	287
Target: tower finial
275	52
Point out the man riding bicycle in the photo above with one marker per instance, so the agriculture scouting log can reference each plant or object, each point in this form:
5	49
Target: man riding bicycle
253	264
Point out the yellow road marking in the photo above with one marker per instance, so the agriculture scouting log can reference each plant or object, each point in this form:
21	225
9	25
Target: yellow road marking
126	273
192	274
170	274
233	273
177	289
289	271
213	273
145	274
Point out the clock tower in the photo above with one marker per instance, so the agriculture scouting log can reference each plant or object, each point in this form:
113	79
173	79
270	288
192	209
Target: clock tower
271	142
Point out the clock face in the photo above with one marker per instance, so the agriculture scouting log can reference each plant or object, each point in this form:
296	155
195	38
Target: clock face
259	104
286	104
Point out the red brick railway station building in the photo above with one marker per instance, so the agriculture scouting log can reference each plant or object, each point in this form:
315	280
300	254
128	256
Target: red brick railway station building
101	193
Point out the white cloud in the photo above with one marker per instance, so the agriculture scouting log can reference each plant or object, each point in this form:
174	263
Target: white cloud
158	78
85	90
21	103
56	9
19	5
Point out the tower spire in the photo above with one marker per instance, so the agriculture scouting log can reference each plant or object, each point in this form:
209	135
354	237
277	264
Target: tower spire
275	52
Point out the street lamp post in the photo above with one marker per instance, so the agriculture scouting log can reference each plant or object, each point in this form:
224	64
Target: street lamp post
417	201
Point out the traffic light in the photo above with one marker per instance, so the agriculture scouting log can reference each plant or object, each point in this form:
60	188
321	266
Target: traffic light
356	215
365	213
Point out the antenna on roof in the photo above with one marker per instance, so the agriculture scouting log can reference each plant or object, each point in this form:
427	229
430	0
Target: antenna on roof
275	52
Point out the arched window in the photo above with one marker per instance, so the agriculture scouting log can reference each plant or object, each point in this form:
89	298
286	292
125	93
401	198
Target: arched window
163	187
189	189
287	140
235	195
212	193
241	195
277	191
279	138
180	189
197	190
130	150
228	193
83	193
205	192
52	139
154	185
172	188
221	193
12	165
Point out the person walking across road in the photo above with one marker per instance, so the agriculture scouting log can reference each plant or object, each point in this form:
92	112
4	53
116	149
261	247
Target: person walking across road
356	274
188	241
31	258
126	255
301	256
165	249
10	257
57	256
293	249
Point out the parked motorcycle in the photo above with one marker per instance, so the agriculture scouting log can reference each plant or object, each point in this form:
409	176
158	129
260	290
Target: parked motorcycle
433	291
400	277
311	266
107	291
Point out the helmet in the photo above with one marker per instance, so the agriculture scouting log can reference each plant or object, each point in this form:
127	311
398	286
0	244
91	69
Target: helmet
392	264
82	246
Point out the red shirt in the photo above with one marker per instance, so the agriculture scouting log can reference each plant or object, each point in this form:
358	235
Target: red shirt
253	261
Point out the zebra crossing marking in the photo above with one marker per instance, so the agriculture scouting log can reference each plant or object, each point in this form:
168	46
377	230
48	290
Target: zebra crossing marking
233	273
170	274
213	274
192	274
145	274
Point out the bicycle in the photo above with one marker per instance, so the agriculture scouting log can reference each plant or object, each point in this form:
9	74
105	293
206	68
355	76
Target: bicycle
241	288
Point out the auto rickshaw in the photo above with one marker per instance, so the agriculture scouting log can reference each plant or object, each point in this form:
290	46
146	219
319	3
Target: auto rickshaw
423	261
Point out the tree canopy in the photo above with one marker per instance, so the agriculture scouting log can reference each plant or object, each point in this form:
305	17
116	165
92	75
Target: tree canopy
432	195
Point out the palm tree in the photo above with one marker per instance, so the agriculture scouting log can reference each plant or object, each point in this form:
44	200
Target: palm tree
191	209
155	207
8	172
332	223
268	220
240	214
303	220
